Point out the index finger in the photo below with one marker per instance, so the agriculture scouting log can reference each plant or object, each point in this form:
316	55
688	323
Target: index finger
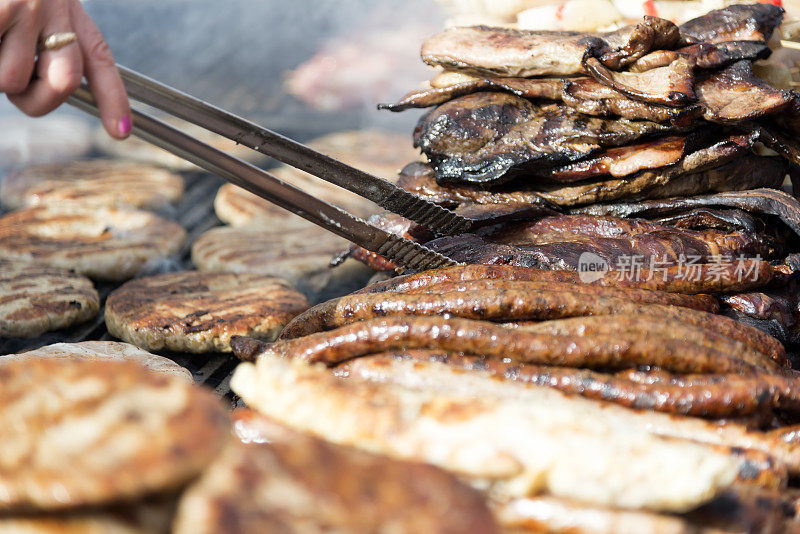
102	74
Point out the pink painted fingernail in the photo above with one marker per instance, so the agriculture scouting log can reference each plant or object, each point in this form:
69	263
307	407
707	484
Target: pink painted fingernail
124	126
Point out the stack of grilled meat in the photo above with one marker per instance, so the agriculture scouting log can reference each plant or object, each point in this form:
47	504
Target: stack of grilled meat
652	147
579	369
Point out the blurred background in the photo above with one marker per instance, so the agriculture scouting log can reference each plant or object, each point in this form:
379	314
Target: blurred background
304	68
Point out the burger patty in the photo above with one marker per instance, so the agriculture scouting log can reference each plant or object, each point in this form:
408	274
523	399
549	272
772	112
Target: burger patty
103	243
79	433
199	312
36	298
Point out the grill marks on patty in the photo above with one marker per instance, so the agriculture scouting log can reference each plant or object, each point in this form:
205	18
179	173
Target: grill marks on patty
80	433
199	312
35	299
103	243
92	183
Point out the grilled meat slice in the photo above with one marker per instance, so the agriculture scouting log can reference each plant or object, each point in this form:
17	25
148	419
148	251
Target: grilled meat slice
450	85
704	55
724	166
622	161
526	440
584	94
520	53
562	239
488	138
579	91
763	201
548	428
721	219
731	512
670	85
740	22
420	179
598	100
696	173
723	277
736	94
780	305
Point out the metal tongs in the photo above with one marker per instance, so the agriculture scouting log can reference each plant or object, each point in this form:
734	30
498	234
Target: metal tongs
402	251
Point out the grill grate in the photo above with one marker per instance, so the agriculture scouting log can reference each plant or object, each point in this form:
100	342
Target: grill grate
196	214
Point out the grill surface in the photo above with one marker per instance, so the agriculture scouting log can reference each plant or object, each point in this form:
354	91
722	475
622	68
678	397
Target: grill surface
196	214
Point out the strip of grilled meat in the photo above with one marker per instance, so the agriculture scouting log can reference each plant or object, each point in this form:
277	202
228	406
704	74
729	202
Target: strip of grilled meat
741	22
560	241
704	55
735	94
724	166
668	281
622	161
444	88
761	201
695	174
670	85
725	395
705	218
510	305
507	52
521	440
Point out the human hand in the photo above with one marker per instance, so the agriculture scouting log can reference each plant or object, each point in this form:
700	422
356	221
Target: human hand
24	24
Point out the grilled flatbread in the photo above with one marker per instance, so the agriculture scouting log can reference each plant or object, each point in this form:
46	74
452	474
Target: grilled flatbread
92	183
35	299
379	153
79	433
102	243
333	489
103	351
199	312
299	254
136	149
